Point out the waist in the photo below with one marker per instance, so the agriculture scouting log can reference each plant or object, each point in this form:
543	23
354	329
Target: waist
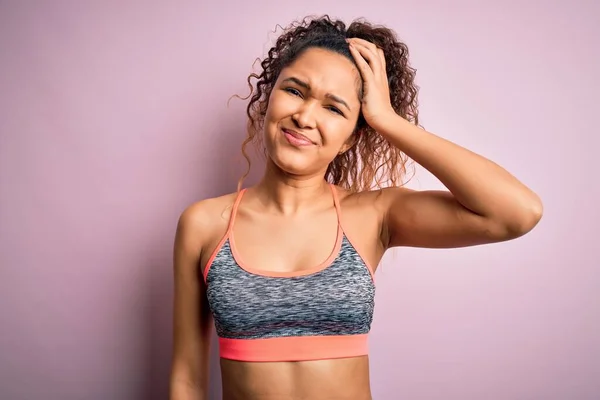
294	348
343	378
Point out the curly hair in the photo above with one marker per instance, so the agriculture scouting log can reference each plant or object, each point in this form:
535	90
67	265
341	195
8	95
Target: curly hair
372	161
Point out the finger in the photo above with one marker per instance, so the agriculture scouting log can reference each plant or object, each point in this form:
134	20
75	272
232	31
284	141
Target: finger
361	43
366	43
372	57
365	69
381	58
374	49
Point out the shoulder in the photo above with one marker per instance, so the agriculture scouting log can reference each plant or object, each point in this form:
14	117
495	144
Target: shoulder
364	221
378	200
206	211
364	205
201	221
374	204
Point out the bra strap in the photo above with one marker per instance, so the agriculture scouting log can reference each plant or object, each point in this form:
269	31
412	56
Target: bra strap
234	209
336	202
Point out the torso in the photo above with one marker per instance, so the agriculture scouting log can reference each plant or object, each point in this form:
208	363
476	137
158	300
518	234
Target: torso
277	244
341	379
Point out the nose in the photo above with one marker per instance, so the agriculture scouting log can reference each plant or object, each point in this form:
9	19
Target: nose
304	117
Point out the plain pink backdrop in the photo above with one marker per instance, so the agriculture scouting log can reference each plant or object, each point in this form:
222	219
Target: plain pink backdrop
114	117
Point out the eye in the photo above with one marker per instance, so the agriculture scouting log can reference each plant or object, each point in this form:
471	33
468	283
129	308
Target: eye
335	110
293	92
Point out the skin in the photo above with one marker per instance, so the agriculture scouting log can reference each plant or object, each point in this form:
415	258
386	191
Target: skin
291	210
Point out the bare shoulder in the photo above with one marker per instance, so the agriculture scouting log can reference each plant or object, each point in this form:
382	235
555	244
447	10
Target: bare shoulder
364	224
203	221
369	210
205	213
376	200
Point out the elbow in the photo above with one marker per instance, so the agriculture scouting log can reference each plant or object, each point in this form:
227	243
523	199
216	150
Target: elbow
534	210
523	221
527	223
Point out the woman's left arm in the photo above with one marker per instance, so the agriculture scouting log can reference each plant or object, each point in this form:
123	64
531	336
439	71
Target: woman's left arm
485	203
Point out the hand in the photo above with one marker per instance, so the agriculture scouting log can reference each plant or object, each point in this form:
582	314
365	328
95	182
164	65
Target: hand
376	92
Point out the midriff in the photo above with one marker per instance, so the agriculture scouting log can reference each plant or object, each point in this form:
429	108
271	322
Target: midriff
340	379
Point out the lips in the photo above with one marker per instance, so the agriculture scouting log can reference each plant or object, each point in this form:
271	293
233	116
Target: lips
296	139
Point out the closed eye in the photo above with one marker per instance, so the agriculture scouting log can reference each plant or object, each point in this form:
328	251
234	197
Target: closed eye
292	91
335	110
296	92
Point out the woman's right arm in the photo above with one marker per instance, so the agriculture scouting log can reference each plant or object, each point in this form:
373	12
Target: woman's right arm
192	321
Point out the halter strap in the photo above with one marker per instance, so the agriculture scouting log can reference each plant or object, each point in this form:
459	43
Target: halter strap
234	209
336	202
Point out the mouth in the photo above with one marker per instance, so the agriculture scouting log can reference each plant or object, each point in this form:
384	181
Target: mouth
296	139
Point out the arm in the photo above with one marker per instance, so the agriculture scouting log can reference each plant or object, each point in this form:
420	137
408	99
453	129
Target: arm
484	204
192	318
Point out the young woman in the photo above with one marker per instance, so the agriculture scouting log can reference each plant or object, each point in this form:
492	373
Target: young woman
285	268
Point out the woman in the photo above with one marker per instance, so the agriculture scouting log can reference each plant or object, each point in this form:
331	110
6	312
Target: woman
285	268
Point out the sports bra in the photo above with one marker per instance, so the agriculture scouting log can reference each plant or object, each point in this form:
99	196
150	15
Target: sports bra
320	313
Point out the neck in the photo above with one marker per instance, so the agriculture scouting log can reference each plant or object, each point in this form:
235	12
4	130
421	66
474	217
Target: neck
288	194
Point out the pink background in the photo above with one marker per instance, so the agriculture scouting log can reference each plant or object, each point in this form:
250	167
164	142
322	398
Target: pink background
113	118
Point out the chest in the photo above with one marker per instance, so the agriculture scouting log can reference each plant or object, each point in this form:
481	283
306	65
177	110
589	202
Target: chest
337	299
303	244
285	245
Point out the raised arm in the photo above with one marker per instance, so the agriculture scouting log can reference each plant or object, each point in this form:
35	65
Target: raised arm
484	204
192	320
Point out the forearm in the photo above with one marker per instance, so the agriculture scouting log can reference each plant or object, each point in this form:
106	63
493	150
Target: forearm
189	379
477	183
181	389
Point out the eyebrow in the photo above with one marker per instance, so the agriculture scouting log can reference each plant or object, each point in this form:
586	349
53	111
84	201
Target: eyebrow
307	87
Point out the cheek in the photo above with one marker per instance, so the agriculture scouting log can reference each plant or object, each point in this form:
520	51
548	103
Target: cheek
279	106
269	111
336	131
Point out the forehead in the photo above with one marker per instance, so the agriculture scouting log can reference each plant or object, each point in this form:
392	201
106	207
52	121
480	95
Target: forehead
325	71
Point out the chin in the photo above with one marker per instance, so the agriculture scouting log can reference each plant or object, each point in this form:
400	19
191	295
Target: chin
290	159
291	163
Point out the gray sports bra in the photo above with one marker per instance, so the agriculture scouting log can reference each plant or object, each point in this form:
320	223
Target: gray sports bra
321	313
